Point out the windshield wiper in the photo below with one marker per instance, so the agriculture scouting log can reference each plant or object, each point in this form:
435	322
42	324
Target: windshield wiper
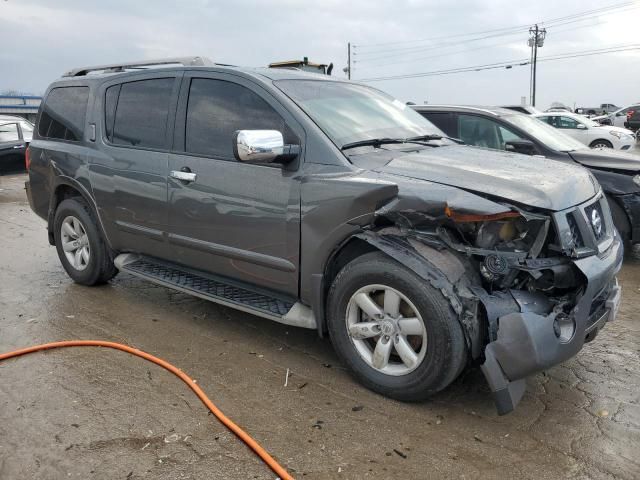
433	136
376	142
371	142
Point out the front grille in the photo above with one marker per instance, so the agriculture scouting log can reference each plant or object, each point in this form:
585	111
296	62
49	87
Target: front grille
595	217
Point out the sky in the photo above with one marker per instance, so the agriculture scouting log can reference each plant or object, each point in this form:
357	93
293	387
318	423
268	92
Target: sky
44	38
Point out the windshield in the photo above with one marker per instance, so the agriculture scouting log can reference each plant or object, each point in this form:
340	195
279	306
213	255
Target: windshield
545	133
350	113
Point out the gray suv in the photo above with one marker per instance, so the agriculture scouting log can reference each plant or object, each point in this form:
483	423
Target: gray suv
328	205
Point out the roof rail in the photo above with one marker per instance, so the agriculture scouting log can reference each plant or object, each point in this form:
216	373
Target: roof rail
120	67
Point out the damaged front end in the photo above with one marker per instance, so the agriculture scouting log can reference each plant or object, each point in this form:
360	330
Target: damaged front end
530	287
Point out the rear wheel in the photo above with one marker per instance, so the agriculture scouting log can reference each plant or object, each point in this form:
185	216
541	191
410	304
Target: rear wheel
601	144
396	333
81	249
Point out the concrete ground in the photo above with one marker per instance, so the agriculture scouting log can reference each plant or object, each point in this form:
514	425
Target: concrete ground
96	413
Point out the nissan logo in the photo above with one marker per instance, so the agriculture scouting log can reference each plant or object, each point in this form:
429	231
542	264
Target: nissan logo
596	222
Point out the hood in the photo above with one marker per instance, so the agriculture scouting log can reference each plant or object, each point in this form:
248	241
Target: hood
607	159
537	182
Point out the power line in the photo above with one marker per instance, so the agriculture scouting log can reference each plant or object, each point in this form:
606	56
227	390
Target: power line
541	22
394	52
507	64
465	50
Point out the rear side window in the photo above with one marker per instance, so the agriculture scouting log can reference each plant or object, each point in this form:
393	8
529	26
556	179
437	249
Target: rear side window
218	108
9	132
63	114
141	113
110	102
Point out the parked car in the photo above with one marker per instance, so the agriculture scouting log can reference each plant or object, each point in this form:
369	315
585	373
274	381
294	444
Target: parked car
497	128
617	118
325	204
15	135
589	132
633	119
603	109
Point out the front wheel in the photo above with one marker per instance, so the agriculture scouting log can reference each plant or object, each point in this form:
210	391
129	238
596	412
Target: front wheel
396	333
601	144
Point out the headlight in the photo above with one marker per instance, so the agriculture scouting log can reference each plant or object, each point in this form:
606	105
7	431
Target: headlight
636	180
617	134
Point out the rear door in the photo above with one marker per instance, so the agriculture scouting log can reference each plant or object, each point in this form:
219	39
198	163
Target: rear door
12	147
235	219
129	175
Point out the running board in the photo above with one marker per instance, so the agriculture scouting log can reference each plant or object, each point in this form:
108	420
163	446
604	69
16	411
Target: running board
217	289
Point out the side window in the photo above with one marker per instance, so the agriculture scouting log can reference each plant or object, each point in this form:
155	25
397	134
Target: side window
479	131
442	120
142	113
110	102
546	119
567	122
63	113
217	108
507	135
9	133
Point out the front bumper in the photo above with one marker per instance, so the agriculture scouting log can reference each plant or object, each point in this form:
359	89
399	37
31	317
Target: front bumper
526	340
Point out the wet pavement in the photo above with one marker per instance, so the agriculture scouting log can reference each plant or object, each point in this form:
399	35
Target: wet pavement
97	413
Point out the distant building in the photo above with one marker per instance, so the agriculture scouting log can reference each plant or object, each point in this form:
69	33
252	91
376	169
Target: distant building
22	105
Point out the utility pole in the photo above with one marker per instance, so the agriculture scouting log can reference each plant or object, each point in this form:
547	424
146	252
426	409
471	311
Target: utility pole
535	40
349	60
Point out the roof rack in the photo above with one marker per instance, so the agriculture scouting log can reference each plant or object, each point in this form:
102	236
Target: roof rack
120	67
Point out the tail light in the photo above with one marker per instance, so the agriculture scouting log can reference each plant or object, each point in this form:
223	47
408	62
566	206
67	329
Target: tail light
27	158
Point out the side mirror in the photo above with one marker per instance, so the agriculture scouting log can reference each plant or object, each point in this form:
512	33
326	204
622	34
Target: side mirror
581	126
258	146
526	147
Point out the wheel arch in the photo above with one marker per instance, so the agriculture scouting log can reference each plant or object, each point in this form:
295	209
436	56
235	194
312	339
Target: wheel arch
69	188
601	140
445	271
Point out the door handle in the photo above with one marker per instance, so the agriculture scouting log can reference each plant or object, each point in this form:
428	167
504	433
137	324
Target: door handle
18	146
184	175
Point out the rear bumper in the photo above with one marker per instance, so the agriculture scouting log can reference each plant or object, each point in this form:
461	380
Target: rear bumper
526	339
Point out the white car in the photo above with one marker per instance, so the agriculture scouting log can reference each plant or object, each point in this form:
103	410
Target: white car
617	118
589	132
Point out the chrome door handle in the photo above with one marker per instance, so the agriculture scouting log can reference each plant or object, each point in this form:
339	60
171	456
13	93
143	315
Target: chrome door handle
183	176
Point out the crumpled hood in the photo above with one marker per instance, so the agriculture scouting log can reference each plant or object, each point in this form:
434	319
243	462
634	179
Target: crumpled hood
607	158
534	181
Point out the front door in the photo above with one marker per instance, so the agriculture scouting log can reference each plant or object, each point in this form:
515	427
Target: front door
234	219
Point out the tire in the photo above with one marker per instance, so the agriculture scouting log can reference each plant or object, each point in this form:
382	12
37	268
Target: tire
99	268
445	355
601	144
620	220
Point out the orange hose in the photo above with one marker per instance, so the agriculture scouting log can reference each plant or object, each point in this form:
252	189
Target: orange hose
244	436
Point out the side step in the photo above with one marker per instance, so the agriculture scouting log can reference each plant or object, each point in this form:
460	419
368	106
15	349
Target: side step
217	289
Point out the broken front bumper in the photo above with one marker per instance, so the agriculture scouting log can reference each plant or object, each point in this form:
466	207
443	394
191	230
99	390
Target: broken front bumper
527	340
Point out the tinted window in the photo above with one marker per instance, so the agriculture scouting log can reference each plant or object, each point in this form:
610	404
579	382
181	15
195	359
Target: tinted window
9	132
110	101
142	112
217	108
478	131
442	120
63	113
